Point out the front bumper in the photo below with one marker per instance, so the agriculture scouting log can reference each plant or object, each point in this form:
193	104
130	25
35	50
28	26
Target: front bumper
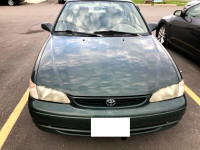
69	120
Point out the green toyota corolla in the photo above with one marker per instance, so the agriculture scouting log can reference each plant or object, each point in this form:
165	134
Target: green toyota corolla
101	69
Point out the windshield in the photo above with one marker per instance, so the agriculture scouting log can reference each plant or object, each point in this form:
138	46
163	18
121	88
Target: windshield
194	11
95	16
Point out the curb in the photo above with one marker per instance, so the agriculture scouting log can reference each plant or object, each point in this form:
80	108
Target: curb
34	1
144	4
156	5
165	5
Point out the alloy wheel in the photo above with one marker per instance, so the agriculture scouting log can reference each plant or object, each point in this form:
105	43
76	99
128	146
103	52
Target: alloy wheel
162	35
11	2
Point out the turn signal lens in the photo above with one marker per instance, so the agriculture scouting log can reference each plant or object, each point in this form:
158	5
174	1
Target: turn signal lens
181	88
169	92
47	94
33	90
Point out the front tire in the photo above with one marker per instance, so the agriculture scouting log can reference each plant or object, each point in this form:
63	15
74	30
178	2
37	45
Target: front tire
162	34
11	2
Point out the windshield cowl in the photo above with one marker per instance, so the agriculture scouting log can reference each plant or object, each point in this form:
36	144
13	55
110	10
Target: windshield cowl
98	34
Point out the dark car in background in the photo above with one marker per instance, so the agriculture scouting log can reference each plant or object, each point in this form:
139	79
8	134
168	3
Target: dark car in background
61	1
102	61
182	30
11	2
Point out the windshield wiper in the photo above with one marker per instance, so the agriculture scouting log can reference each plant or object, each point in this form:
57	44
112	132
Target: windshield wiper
112	32
81	33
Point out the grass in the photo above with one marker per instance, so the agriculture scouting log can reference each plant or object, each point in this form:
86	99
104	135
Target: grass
177	2
138	1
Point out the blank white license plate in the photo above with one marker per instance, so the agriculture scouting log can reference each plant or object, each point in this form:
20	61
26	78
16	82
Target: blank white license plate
110	127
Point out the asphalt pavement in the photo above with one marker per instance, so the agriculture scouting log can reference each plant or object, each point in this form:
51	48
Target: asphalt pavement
21	39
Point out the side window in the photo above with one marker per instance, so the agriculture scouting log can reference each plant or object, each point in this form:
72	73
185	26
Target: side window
194	11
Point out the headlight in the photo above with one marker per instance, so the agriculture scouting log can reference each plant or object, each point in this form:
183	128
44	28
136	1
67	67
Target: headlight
169	92
47	94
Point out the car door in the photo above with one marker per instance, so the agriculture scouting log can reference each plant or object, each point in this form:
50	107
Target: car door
193	30
184	31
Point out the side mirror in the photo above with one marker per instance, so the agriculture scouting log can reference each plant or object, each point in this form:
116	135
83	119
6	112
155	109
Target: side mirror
178	13
47	26
153	26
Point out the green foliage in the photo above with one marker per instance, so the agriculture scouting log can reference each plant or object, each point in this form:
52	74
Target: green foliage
177	2
139	1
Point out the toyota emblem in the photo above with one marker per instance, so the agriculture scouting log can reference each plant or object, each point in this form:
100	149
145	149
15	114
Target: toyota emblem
110	102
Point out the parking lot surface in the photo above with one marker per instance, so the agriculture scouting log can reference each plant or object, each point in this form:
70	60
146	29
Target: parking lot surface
21	39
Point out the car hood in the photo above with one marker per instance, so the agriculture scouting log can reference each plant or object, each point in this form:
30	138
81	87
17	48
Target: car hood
105	66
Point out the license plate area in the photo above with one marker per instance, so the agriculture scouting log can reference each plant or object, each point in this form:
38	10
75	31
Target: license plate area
110	127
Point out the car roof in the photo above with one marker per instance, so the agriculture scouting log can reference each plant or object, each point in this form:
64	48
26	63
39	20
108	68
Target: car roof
103	0
188	5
